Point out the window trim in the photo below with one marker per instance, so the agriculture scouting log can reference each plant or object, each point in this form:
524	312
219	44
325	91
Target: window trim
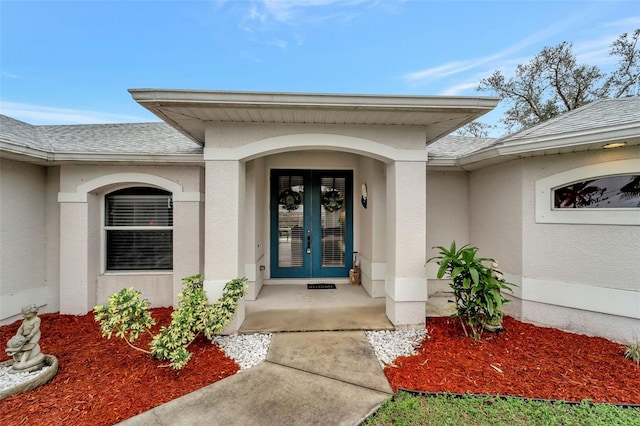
546	213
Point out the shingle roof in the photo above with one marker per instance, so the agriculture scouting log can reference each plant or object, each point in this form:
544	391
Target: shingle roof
125	138
162	139
23	134
600	114
454	146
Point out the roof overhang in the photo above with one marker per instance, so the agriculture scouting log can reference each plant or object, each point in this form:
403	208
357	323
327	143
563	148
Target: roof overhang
561	143
190	111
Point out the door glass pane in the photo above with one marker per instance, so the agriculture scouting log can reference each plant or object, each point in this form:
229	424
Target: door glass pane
291	243
333	215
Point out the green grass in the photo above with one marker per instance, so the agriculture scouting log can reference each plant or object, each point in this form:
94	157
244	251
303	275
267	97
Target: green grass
407	409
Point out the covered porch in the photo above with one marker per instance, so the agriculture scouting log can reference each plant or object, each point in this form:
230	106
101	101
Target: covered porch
379	142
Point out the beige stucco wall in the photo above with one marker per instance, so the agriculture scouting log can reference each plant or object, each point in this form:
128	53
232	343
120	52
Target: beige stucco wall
495	214
575	277
447	221
596	255
372	243
53	239
83	280
23	232
591	269
230	135
256	214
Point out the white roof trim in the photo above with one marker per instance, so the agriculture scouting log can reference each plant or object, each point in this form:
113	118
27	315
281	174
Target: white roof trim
333	101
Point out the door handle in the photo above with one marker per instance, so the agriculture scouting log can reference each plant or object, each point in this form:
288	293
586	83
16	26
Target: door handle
308	244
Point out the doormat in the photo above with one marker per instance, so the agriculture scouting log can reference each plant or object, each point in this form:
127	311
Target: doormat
323	286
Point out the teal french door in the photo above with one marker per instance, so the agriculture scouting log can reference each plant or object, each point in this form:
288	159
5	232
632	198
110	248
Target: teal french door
311	223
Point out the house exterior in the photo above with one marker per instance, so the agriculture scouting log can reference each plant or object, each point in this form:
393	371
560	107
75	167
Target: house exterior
272	186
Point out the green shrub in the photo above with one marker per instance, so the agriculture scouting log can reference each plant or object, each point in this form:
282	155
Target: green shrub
632	351
476	287
128	316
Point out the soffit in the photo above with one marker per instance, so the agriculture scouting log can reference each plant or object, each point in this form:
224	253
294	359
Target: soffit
190	111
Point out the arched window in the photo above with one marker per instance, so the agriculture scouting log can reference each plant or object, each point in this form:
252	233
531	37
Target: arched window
139	229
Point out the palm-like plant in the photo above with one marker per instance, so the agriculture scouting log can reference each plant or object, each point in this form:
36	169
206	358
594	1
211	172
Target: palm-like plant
476	287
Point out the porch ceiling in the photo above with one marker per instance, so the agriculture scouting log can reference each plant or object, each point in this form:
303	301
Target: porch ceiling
190	111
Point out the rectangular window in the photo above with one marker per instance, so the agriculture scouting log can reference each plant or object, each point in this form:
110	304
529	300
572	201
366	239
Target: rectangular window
139	230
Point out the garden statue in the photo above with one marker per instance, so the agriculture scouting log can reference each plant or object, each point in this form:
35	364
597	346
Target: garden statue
24	347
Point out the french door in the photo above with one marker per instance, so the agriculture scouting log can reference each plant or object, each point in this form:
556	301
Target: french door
311	223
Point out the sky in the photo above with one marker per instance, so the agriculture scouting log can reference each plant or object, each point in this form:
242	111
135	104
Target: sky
71	62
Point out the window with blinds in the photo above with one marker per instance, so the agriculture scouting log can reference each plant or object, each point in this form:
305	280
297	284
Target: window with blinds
139	229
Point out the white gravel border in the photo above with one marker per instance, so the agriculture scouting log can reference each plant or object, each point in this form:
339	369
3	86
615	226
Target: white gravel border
10	380
249	350
389	345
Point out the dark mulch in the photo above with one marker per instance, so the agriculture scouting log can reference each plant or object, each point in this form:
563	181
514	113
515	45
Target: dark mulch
524	360
101	382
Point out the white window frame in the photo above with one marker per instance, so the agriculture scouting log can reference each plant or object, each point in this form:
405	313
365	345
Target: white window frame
546	213
106	228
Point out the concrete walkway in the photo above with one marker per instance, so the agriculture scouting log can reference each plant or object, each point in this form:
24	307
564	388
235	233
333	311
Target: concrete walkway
309	378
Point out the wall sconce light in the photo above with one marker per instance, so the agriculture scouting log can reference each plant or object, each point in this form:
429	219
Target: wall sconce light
363	198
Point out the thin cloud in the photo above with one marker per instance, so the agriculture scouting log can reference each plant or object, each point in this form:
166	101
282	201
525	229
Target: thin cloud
591	51
457	67
459	89
9	75
291	10
37	114
629	22
266	15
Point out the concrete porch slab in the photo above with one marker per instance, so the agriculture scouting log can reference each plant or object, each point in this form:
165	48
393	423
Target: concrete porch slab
281	308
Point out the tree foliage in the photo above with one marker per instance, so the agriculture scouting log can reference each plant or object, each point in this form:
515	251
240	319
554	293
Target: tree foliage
476	129
553	82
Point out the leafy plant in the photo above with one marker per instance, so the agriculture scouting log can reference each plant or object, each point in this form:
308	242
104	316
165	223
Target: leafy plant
476	287
128	316
632	351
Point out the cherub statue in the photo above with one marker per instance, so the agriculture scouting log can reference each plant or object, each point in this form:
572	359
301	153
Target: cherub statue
24	347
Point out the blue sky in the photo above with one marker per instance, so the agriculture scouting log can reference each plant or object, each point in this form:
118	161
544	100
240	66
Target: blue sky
72	62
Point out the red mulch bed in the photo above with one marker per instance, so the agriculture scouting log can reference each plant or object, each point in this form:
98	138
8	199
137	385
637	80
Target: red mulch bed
524	360
101	382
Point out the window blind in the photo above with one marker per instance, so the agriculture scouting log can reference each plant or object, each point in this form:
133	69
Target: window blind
138	224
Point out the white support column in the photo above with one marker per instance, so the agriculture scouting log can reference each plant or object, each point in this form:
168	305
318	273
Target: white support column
224	222
406	283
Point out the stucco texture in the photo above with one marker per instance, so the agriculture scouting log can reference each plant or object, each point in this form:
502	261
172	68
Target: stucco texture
23	261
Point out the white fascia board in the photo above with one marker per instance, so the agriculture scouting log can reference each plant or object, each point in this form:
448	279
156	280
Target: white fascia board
504	153
205	97
564	140
137	158
443	162
26	151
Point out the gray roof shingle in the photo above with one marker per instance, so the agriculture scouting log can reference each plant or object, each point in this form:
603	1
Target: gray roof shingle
159	138
123	138
600	114
22	134
454	146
